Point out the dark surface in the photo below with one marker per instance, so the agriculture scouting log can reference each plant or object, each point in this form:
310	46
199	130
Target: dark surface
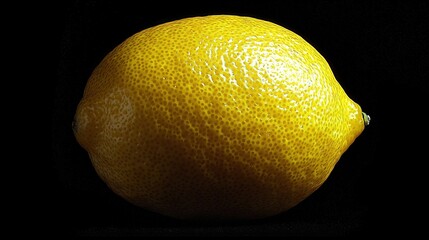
378	54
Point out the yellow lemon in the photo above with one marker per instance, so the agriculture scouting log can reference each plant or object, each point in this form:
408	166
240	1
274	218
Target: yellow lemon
215	117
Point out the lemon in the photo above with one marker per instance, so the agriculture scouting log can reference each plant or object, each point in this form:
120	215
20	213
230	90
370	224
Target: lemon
215	117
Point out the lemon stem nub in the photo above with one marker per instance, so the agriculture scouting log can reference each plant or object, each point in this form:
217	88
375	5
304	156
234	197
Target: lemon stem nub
366	118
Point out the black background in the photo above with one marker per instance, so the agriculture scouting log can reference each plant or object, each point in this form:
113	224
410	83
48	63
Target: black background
378	52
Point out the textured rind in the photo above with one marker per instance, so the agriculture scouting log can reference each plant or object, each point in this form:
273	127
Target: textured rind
215	117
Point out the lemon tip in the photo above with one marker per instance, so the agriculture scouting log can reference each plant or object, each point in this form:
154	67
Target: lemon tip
366	118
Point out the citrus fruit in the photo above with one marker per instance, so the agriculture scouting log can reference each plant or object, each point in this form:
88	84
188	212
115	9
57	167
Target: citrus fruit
215	117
